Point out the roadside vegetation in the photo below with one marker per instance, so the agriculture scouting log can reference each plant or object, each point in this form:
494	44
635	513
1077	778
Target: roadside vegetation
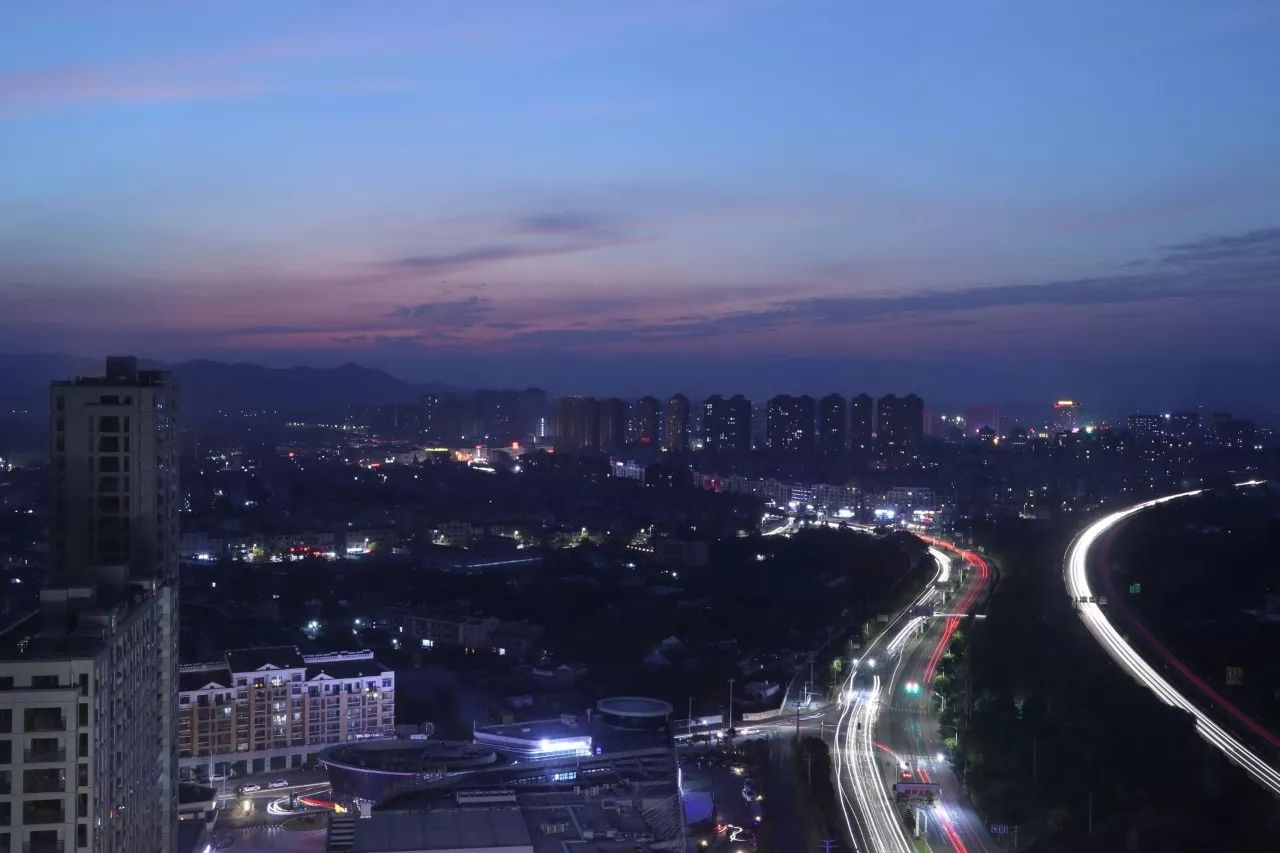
1051	737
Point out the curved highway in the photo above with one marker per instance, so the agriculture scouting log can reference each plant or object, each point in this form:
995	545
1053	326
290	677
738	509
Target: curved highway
1075	574
909	726
872	819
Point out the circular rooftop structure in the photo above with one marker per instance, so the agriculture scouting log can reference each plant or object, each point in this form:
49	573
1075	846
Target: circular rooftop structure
373	770
634	712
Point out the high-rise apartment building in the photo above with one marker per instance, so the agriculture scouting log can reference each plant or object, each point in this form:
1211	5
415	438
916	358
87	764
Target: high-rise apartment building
577	423
265	709
675	435
1065	416
115	466
442	417
900	425
861	423
646	421
533	414
789	422
496	416
613	425
726	423
833	425
87	710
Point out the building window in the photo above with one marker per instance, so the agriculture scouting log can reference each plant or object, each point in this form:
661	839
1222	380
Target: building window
43	719
43	782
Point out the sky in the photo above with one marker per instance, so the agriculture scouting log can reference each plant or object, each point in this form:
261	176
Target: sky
635	194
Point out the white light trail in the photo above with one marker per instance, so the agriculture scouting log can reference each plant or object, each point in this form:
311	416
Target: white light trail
1077	581
944	565
859	782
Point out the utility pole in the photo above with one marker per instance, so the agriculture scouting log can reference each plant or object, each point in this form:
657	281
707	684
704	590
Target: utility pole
1035	755
729	728
689	721
808	759
827	845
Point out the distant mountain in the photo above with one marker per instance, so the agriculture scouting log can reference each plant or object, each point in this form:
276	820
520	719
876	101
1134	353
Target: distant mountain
24	373
211	386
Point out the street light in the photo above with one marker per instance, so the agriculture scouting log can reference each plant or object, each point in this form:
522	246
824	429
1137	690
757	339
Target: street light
729	727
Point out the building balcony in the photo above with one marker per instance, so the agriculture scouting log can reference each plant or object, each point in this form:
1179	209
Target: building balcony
54	846
42	811
45	754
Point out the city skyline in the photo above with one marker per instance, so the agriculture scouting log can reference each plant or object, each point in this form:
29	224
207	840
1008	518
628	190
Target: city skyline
451	193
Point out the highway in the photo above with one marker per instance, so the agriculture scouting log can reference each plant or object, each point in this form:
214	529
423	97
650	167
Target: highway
908	732
908	649
1076	577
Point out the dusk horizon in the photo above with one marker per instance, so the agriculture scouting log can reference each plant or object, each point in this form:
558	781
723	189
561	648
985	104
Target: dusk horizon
734	182
690	426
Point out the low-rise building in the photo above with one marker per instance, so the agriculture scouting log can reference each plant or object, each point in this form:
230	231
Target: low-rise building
271	708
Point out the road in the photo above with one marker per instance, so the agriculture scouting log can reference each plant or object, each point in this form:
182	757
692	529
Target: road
908	732
908	649
1196	699
873	821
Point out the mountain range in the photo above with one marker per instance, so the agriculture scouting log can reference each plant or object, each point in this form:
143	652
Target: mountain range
208	387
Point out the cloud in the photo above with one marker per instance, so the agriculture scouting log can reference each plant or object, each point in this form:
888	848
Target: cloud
457	313
580	225
1263	244
550	234
479	256
1244	267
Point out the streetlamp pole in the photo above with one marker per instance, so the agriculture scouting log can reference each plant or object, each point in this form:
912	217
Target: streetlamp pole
729	727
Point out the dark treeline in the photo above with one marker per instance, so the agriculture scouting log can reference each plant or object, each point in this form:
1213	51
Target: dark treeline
1056	740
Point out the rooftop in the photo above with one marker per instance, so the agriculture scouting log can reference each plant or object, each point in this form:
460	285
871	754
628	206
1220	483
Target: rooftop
275	657
490	830
407	756
198	679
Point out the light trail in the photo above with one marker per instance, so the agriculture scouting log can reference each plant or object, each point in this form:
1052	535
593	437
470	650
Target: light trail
876	825
944	565
1075	575
898	641
786	526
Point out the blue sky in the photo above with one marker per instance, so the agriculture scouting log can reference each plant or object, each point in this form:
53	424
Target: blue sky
454	187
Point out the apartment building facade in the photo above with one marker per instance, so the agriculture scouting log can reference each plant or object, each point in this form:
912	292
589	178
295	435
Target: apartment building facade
258	710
